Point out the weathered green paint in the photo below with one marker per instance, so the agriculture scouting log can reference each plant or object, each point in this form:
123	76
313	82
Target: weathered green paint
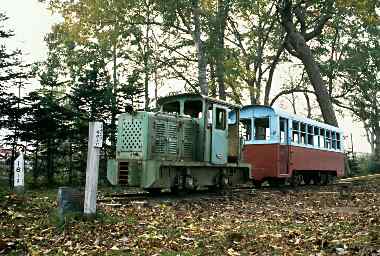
112	171
160	148
134	173
219	139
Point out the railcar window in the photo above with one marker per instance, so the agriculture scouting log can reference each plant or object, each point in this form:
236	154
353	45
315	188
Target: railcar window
303	133
295	132
322	138
283	130
172	107
338	141
262	131
310	135
328	139
316	137
221	119
193	108
232	116
246	129
334	140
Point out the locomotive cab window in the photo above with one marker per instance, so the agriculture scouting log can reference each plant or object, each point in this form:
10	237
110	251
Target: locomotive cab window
193	108
246	129
232	117
221	119
172	107
262	131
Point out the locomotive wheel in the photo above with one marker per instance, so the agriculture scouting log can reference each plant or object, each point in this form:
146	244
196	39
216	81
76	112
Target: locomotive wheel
257	183
317	180
324	179
331	179
307	179
276	182
296	180
154	191
175	190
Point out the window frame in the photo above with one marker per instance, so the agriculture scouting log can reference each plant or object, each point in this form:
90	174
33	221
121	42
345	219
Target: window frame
267	137
172	112
296	131
189	101
220	121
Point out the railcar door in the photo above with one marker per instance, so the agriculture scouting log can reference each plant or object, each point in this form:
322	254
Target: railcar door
284	146
219	135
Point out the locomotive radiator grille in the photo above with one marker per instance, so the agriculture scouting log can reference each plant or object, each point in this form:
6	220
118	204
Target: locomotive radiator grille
172	138
166	137
188	141
131	136
160	137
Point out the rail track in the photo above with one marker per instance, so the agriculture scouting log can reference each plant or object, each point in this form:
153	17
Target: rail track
142	197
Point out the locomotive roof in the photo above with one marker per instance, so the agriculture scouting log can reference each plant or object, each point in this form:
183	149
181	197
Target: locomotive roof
169	98
295	117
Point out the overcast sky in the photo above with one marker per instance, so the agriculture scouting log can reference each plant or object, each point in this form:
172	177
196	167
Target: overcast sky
30	21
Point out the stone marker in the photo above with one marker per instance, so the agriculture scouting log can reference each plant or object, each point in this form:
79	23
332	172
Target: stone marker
70	200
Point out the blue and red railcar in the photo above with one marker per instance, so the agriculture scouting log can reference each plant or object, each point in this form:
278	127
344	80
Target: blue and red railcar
285	147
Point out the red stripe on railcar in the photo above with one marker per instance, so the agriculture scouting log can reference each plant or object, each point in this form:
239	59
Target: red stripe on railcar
279	161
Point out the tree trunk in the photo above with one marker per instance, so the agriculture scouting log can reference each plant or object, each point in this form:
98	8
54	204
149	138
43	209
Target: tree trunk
146	59
377	144
212	87
202	75
71	164
320	89
35	163
220	30
252	91
295	43
113	104
49	169
308	105
268	85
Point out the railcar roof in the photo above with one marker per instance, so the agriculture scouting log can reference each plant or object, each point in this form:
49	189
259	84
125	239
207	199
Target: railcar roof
169	98
295	117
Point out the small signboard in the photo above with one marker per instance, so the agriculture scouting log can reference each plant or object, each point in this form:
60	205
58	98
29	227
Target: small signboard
98	135
19	171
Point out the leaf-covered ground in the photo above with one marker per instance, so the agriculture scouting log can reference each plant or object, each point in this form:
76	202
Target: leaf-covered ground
336	220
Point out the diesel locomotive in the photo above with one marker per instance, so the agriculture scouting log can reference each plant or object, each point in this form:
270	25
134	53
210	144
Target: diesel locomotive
189	144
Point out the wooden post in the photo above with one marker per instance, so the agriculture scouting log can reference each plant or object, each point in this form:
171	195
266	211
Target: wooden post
95	141
18	168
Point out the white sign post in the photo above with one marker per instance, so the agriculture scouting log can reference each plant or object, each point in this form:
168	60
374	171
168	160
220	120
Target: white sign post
95	142
18	168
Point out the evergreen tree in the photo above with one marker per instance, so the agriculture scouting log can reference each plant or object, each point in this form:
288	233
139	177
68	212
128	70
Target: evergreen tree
12	73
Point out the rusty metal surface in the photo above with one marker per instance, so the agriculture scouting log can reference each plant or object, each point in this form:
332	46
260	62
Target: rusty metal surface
267	160
318	160
263	159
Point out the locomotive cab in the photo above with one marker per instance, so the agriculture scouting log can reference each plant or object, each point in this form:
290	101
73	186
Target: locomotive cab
218	137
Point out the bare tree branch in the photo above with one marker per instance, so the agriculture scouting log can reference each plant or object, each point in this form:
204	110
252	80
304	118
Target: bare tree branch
285	92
